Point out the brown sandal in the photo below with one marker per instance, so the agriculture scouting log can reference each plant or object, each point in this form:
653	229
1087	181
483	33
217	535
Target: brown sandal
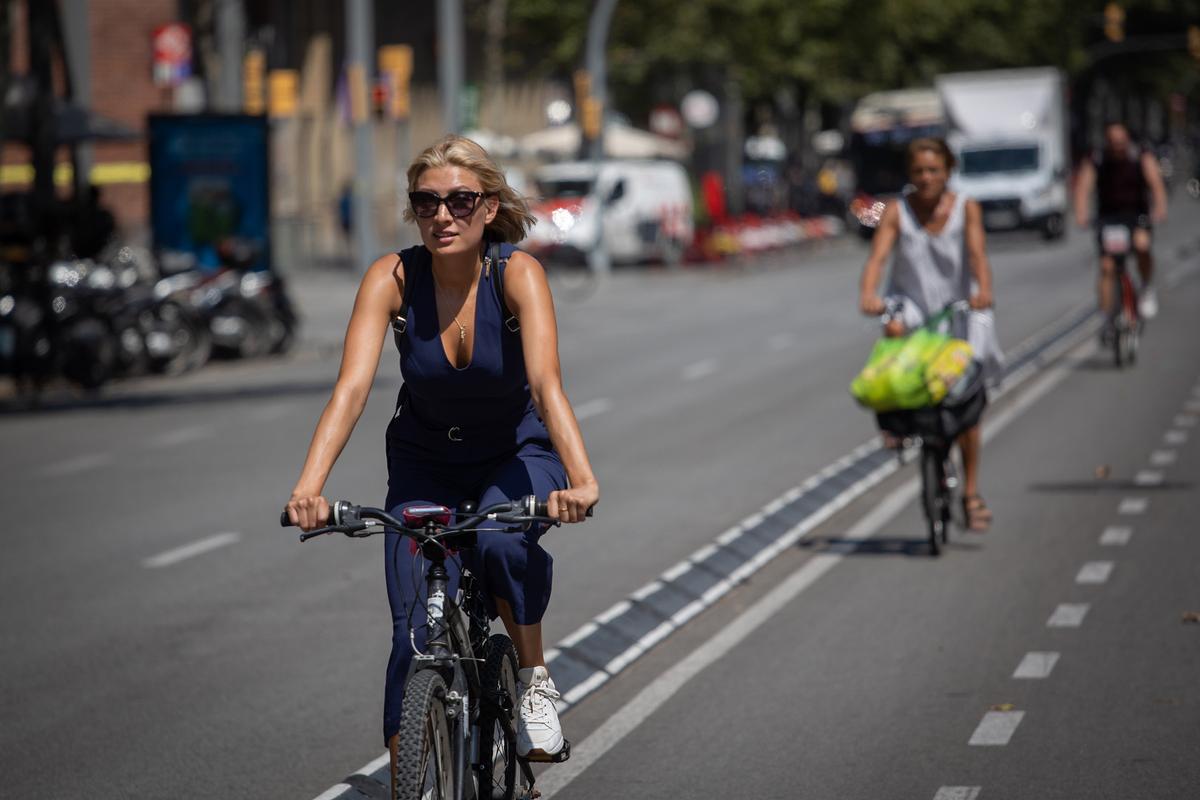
978	515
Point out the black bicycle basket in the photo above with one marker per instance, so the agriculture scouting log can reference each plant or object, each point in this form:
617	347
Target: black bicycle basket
960	410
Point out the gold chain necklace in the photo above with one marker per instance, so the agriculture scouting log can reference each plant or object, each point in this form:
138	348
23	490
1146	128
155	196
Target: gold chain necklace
462	330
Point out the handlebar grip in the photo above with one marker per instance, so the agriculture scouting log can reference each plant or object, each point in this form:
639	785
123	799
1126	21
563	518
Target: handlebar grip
542	509
284	520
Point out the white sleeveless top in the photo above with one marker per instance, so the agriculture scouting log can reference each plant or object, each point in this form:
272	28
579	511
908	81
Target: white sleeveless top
930	271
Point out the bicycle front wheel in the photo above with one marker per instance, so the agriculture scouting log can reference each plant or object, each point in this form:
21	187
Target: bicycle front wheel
423	761
931	497
497	769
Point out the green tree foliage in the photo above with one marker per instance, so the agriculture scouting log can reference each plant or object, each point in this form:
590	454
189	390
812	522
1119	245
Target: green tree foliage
833	50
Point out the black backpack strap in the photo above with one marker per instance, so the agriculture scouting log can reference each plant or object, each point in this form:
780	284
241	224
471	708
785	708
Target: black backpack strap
497	257
400	321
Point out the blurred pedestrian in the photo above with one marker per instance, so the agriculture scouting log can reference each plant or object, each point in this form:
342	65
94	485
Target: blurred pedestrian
938	241
481	416
1129	191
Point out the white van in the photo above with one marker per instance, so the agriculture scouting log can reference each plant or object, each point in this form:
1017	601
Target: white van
647	209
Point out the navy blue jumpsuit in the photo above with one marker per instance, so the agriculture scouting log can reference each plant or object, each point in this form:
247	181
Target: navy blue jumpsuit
463	434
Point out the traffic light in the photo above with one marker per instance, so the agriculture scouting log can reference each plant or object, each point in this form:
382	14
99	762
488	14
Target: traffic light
1193	41
1114	22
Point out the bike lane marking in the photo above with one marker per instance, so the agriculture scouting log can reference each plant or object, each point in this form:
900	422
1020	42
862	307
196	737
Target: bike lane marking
1036	666
1116	536
1132	506
1095	572
1163	458
593	408
996	728
700	369
72	466
198	547
182	436
1068	615
958	793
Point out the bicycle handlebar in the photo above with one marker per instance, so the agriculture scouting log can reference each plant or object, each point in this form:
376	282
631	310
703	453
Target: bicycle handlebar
352	520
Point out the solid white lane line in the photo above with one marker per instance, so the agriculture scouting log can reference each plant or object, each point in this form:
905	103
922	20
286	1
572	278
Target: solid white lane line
1036	666
1175	437
187	551
367	769
182	436
1185	421
1148	477
1094	572
701	369
71	466
1133	505
1068	615
958	793
593	408
1162	458
651	698
781	341
1116	536
996	728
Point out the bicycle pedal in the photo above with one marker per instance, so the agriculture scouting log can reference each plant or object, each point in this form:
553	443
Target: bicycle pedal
539	757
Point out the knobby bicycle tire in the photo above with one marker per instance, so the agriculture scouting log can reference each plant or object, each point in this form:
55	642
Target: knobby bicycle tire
497	721
424	735
931	499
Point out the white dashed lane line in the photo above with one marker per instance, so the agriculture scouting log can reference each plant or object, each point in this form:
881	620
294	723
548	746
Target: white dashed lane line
1132	506
957	793
1116	536
1175	437
199	547
996	728
700	369
1185	421
1148	477
1193	406
1162	458
1035	666
593	408
182	436
73	466
1094	572
1068	615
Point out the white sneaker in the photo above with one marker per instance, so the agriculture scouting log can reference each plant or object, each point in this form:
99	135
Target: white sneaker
1148	305
538	729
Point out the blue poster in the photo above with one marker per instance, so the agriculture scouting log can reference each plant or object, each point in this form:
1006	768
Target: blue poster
210	186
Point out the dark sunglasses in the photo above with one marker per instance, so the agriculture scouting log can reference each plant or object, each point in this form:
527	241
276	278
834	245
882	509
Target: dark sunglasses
460	204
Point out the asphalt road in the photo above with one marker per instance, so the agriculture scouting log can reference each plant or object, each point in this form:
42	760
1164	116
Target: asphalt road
160	636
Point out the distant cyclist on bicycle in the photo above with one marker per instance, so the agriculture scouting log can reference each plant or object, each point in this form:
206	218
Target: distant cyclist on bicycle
1129	191
481	416
938	239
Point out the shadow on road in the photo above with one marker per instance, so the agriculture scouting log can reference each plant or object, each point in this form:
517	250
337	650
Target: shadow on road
880	546
1097	485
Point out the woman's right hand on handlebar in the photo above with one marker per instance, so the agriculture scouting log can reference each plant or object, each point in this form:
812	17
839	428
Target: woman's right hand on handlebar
308	512
872	305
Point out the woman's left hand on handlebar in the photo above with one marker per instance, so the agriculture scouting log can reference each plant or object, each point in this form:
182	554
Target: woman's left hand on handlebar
981	299
571	505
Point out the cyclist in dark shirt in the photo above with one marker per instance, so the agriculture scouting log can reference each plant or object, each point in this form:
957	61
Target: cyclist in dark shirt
1129	191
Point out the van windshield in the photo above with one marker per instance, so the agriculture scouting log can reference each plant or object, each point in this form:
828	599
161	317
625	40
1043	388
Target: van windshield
999	159
564	188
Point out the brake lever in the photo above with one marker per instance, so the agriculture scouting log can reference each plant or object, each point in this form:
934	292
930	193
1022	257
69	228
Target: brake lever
353	530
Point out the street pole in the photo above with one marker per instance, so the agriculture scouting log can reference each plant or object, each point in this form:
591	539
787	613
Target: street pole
79	61
597	67
360	33
231	40
450	63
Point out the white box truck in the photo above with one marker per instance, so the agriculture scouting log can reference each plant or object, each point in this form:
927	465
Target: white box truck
647	210
1008	130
